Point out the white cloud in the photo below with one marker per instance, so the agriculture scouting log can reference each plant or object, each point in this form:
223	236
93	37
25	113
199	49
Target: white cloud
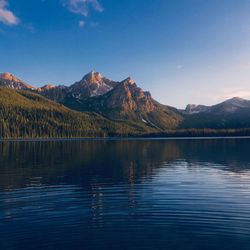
7	16
82	7
81	24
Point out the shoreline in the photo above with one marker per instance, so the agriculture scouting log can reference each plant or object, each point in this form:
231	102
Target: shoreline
123	138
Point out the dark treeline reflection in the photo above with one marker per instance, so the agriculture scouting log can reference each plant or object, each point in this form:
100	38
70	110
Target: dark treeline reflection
102	162
125	194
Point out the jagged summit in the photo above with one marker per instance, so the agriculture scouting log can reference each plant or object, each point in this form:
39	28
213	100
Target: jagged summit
92	84
194	109
129	80
10	81
46	87
9	77
93	77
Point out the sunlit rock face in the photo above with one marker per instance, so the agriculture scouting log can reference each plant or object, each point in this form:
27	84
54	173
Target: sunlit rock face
129	97
10	81
8	76
92	84
53	92
46	87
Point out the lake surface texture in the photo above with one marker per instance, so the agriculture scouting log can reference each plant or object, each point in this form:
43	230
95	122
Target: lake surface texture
128	194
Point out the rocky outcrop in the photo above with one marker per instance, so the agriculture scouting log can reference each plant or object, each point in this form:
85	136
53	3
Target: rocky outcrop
10	81
128	97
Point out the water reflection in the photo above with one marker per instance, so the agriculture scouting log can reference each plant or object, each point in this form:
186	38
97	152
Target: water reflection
159	194
88	162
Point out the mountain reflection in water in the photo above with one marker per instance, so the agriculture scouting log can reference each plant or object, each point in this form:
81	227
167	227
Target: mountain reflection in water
125	194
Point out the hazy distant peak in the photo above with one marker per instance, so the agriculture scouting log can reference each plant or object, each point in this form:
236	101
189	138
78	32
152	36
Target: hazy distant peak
194	109
235	100
229	106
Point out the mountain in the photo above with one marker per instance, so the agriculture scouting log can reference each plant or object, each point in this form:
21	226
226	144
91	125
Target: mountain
195	109
232	113
10	81
114	100
96	106
127	102
27	114
92	84
53	92
229	106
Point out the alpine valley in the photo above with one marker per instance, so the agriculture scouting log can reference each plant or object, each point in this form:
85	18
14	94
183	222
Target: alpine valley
96	106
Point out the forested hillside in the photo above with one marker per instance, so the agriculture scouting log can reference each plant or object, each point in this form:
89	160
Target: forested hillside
25	114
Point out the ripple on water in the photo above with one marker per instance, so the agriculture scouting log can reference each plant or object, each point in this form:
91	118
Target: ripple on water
155	199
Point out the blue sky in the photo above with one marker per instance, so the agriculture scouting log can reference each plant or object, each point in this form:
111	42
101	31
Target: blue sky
182	51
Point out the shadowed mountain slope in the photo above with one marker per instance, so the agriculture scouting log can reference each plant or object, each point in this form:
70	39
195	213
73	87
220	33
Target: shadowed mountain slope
233	113
127	102
25	114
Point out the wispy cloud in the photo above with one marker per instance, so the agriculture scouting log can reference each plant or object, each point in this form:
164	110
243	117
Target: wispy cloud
7	16
228	93
81	24
82	7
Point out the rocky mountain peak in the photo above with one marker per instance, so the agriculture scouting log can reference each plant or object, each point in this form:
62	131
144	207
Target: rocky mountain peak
190	107
10	81
232	105
9	77
129	80
93	77
235	100
46	87
128	97
92	84
195	109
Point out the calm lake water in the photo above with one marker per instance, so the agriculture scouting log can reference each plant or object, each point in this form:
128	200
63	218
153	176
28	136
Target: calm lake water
127	194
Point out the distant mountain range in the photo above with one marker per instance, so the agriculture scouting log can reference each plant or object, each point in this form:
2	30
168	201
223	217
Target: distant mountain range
108	108
230	114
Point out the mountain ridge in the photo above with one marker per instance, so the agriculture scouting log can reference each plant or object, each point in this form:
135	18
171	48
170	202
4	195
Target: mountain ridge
230	105
96	79
126	103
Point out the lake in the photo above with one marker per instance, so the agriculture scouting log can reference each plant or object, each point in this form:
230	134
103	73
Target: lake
125	194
